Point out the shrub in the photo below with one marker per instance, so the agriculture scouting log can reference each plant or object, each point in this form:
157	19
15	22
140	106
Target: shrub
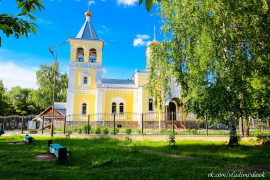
193	131
116	131
128	131
139	131
163	131
105	130
85	128
127	140
69	131
98	130
32	131
172	140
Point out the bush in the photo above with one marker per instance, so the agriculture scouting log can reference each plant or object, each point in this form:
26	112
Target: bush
128	131
69	131
163	131
139	131
193	131
105	130
32	131
172	140
116	131
85	128
98	130
127	140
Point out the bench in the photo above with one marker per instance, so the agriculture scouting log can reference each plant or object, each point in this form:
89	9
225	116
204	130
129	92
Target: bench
54	148
28	139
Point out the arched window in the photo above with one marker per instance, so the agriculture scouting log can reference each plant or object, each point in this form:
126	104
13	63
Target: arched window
85	80
113	108
121	108
92	55
80	55
150	105
83	108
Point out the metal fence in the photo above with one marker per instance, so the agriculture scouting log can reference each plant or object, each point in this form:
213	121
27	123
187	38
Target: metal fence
153	123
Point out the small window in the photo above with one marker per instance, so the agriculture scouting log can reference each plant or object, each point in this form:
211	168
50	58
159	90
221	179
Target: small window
84	108
85	80
121	108
150	105
114	108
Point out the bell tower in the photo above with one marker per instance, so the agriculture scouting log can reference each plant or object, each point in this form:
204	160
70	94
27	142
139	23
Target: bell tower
85	69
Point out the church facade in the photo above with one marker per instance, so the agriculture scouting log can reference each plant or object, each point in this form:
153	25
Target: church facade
89	93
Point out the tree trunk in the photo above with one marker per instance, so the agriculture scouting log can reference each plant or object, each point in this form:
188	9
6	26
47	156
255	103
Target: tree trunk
233	135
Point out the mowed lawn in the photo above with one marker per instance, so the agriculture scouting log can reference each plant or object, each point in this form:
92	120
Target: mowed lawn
113	159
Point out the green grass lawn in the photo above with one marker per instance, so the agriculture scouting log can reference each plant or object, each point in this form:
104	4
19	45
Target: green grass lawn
113	159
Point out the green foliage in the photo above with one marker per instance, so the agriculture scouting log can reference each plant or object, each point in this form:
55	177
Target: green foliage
69	132
219	55
32	131
192	131
105	130
43	95
127	140
17	99
18	25
85	128
97	130
128	130
172	140
139	131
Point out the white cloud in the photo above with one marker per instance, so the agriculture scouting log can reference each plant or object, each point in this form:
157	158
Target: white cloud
141	40
103	30
91	2
15	75
127	2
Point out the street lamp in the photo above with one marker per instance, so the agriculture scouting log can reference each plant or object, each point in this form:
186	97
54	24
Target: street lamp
55	62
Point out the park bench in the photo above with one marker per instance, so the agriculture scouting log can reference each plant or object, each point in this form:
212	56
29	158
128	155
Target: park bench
28	139
56	148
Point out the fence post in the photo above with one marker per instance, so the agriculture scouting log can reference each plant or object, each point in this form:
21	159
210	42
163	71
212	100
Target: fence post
173	123
142	123
206	124
65	121
22	123
114	124
88	128
42	125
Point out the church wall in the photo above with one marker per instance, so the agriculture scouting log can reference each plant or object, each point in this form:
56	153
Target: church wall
89	99
80	73
118	96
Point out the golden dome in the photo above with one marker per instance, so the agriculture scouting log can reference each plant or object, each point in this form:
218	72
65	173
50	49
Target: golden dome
88	13
154	41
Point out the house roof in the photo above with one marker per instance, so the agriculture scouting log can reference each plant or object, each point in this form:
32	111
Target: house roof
117	83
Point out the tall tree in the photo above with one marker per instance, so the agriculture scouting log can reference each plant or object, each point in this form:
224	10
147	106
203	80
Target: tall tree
18	25
17	99
217	50
43	95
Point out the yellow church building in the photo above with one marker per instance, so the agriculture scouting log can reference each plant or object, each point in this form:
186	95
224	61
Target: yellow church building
88	93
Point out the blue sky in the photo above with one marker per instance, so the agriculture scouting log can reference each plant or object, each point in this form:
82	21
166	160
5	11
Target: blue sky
125	27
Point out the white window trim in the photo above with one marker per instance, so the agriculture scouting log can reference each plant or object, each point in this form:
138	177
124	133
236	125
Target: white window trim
88	75
118	100
151	114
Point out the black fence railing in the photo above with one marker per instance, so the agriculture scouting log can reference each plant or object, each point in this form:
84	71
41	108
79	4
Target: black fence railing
125	123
